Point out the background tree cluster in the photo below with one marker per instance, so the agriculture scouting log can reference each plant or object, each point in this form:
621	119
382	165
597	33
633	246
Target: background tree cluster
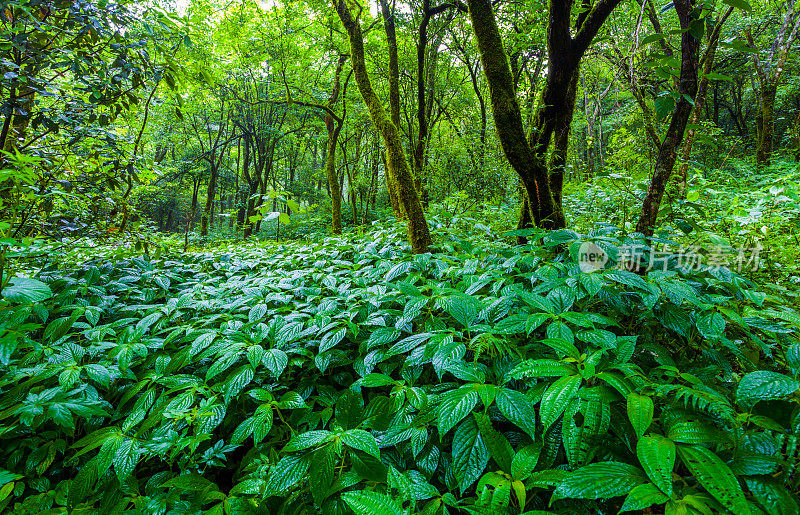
223	118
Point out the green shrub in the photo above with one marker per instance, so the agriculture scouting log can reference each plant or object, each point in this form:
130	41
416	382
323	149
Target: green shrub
339	377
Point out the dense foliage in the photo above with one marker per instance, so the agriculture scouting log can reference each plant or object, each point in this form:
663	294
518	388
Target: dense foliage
343	375
479	257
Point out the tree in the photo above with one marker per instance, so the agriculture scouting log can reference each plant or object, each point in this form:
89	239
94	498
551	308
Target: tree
397	165
769	72
528	155
687	91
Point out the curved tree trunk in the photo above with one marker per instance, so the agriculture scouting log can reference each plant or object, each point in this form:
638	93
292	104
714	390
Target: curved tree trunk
506	113
527	155
418	232
668	151
334	127
699	102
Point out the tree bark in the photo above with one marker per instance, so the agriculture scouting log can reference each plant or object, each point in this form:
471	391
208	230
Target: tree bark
769	75
707	63
394	90
418	232
527	155
334	127
766	135
210	193
506	113
668	151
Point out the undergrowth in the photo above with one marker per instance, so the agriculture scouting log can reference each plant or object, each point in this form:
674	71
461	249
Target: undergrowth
338	377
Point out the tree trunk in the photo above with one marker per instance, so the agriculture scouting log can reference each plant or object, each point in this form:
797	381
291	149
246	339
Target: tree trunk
699	103
394	90
767	133
418	233
668	151
507	116
334	127
210	193
558	157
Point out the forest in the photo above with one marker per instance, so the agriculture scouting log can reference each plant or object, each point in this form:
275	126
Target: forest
449	257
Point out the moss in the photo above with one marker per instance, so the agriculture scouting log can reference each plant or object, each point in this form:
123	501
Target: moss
397	165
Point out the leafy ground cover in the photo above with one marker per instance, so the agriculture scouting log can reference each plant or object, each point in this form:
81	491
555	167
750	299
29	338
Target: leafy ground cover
337	376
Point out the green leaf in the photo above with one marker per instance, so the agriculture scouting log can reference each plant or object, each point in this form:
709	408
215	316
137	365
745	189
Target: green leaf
652	38
257	313
331	339
739	4
308	439
663	106
560	329
262	426
237	382
243	430
711	325
763	385
470	454
640	412
24	290
454	406
375	380
7	476
563	348
657	457
462	310
643	496
350	409
374	503
793	358
556	399
517	409
696	432
58	328
772	495
82	485
382	336
275	360
525	460
286	473
499	448
715	476
601	480
125	459
586	419
542	368
189	481
321	473
202	341
361	440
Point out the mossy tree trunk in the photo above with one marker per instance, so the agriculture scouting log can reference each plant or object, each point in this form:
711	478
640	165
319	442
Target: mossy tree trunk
558	156
211	191
528	155
769	74
707	64
397	165
394	89
766	135
668	151
333	125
